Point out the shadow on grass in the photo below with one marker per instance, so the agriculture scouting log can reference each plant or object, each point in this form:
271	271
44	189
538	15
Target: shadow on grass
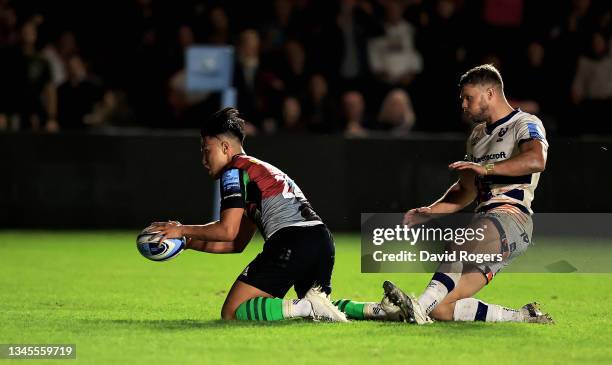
464	329
183	324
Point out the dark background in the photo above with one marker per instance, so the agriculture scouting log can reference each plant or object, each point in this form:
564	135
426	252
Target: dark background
105	181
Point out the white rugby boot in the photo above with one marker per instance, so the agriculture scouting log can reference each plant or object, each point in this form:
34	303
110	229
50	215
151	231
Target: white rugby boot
322	307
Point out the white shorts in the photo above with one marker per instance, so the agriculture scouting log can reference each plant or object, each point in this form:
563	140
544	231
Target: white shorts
515	230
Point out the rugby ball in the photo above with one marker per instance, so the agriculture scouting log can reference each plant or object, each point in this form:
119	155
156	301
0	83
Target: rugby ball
150	247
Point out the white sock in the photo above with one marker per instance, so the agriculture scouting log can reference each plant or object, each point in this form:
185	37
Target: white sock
443	282
471	309
296	308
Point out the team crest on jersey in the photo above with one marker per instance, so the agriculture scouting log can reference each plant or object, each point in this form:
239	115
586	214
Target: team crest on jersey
501	133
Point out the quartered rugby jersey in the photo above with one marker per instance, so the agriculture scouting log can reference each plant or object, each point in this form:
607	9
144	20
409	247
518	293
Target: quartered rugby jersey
498	142
270	198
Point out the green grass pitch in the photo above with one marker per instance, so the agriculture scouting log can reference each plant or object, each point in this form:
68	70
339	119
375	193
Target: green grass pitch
94	289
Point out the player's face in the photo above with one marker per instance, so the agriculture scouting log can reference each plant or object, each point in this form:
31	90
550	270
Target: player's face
214	155
475	104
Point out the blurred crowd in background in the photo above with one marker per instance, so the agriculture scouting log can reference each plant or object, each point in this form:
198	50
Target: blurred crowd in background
353	67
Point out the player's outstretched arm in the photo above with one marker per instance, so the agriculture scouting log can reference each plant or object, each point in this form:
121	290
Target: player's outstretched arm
224	230
245	234
457	197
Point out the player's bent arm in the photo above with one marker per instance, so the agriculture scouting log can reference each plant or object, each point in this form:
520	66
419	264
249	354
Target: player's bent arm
245	234
458	196
224	230
531	159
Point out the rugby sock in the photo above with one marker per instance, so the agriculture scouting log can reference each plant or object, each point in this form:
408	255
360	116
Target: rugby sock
360	310
272	309
442	283
471	309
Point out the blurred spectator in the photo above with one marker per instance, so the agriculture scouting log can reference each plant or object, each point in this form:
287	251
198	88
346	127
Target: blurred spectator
530	96
112	110
444	45
77	95
592	87
58	53
293	73
594	75
503	13
31	95
319	112
345	56
185	38
353	112
569	37
444	51
502	20
396	114
247	75
280	28
182	102
393	56
8	26
292	115
219	32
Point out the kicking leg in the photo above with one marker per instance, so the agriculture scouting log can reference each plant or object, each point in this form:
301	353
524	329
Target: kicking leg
470	283
460	306
447	276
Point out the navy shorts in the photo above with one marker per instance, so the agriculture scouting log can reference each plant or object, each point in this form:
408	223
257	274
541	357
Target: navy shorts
301	257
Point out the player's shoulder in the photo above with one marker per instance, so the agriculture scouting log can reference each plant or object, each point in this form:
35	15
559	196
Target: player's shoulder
523	118
528	126
254	166
478	132
245	162
479	129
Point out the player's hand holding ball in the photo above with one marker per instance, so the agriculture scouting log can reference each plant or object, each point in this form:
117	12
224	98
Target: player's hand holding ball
161	241
170	229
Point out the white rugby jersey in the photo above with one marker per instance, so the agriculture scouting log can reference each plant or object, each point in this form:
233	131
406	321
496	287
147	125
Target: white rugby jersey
498	142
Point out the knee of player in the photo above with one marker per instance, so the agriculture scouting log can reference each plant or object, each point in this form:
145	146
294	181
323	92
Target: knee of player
443	312
228	314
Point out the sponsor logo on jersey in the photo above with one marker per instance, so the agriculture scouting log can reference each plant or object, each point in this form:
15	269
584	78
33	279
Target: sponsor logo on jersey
230	183
492	156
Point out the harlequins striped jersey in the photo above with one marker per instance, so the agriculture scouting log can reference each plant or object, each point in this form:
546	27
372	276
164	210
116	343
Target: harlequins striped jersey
270	198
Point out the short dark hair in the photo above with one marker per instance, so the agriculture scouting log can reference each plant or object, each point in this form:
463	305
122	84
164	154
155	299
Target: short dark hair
482	75
225	121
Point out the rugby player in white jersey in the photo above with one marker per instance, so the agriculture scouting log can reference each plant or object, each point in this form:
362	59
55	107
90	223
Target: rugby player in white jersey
506	152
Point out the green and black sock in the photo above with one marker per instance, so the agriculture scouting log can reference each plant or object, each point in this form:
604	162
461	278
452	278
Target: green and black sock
272	309
360	310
